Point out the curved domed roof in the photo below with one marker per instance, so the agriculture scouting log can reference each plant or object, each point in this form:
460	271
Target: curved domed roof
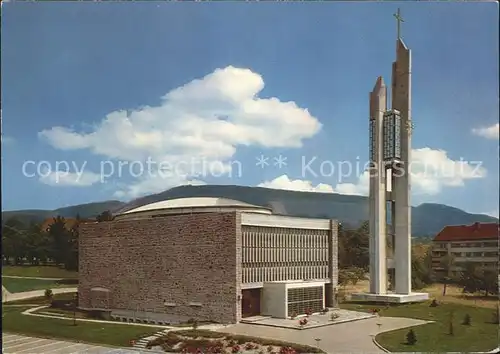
195	202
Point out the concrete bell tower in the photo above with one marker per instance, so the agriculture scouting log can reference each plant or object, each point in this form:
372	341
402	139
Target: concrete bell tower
390	185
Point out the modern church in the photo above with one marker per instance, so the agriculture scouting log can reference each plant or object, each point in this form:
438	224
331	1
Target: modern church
210	259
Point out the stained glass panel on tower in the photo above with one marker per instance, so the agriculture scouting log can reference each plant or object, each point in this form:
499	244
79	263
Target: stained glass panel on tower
372	139
392	136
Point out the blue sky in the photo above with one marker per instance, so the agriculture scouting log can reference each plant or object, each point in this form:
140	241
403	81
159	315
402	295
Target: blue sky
95	84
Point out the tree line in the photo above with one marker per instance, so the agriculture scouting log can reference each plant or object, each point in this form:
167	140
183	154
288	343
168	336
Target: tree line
354	262
57	244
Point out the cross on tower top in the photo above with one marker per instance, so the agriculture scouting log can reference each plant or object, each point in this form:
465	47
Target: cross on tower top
399	19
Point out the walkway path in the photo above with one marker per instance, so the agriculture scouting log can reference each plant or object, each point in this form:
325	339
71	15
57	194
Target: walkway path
13	343
37	278
5	291
8	297
350	337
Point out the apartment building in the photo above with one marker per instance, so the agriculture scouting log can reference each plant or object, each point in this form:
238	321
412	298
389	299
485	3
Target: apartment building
476	243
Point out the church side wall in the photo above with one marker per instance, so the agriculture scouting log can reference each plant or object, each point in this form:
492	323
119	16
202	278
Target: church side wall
183	265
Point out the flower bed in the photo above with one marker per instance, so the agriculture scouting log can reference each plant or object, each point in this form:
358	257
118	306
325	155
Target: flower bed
203	341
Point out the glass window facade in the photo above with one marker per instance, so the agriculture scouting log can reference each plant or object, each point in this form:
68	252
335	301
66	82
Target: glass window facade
392	136
301	300
372	140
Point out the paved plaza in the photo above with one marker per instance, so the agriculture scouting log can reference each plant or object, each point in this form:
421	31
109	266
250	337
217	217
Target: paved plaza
13	343
313	321
349	337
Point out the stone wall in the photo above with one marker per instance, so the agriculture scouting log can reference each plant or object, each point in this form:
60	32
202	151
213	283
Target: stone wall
183	265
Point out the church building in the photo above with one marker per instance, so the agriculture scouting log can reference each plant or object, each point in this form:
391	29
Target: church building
208	259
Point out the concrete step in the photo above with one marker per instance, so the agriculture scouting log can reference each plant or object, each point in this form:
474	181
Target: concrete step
143	342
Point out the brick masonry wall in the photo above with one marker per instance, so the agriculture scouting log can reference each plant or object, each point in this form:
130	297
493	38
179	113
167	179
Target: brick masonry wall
177	259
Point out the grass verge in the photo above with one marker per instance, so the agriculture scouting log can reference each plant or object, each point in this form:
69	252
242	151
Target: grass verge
481	335
90	332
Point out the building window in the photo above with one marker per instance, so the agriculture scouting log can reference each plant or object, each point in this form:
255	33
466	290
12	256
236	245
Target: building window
392	136
372	139
301	300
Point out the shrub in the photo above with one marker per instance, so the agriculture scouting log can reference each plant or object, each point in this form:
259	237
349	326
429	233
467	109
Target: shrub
238	339
434	303
67	281
411	338
375	311
334	316
303	322
308	312
287	350
98	314
467	320
293	315
249	346
61	304
217	344
232	343
48	294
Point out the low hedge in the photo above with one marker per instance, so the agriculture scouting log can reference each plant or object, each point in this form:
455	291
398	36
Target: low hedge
67	281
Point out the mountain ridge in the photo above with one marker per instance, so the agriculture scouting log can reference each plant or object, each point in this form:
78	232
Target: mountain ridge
427	218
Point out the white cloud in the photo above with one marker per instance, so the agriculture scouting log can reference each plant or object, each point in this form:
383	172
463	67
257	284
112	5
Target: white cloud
491	132
64	178
431	171
284	182
207	118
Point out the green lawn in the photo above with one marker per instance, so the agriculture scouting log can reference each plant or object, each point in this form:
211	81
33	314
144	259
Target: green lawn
39	271
18	285
481	335
99	333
